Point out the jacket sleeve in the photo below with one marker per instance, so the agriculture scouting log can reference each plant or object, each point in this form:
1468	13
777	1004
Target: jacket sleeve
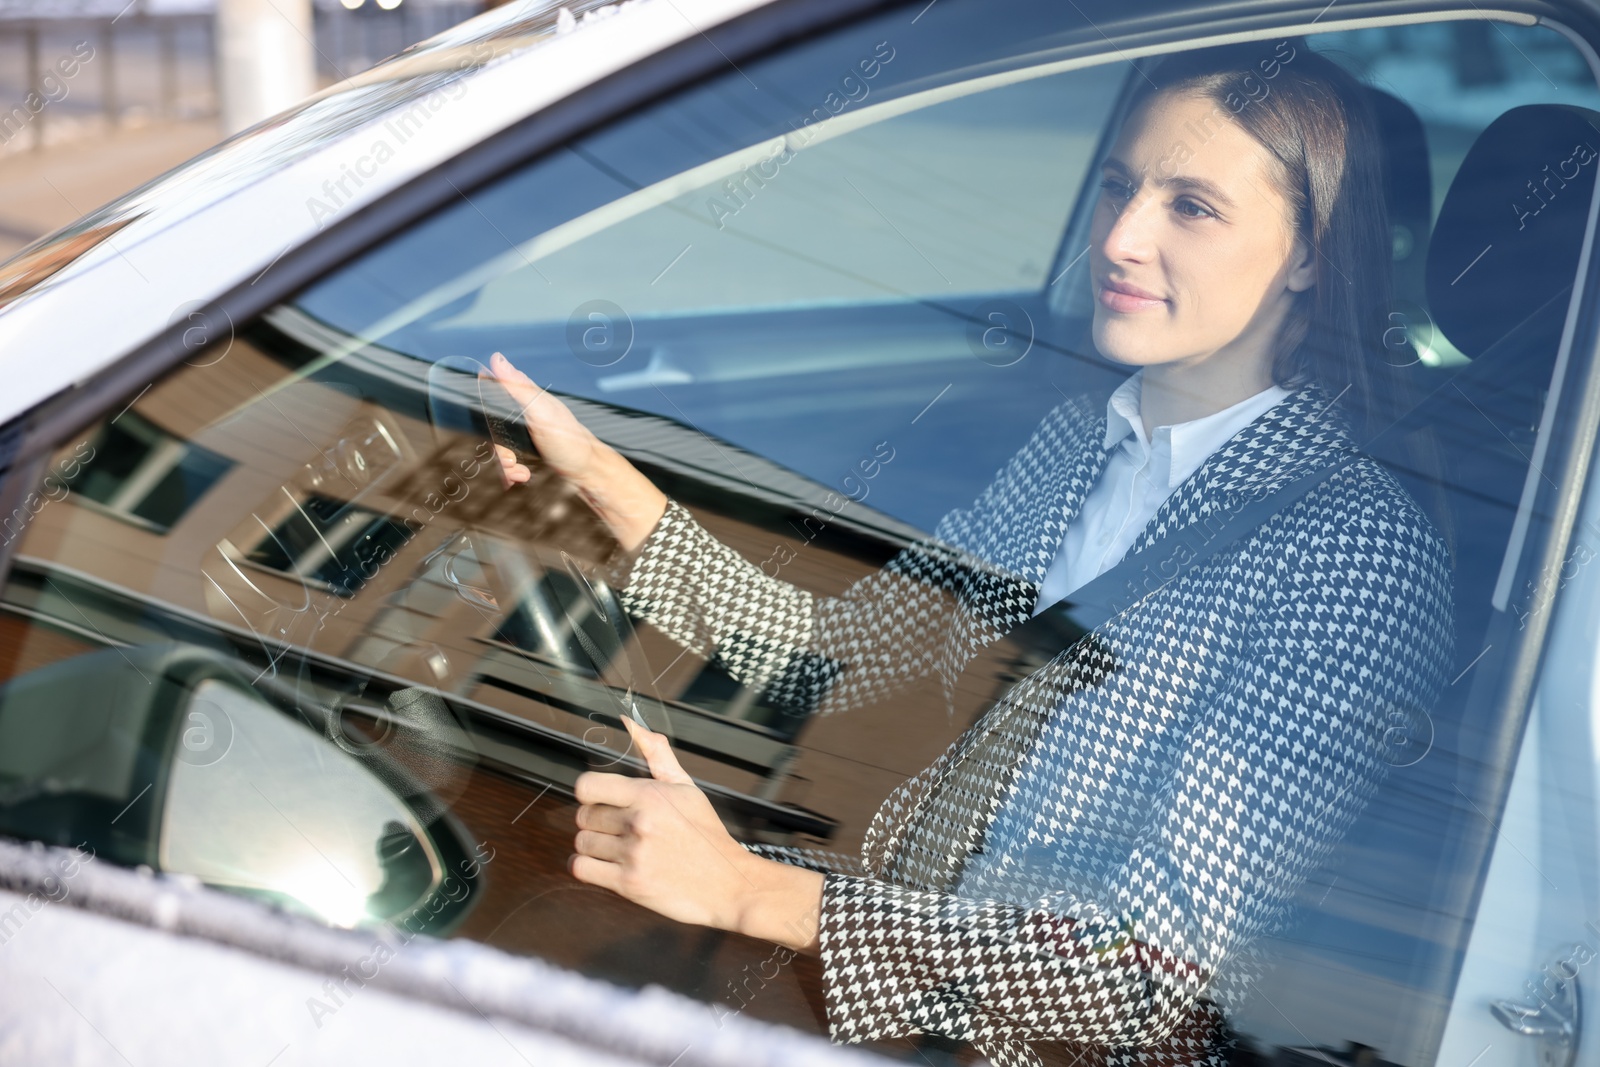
808	653
1277	768
814	654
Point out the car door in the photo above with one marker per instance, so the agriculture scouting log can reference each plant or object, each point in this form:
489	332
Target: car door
820	297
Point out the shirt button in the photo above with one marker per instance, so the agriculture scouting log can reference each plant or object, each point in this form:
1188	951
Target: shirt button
1105	539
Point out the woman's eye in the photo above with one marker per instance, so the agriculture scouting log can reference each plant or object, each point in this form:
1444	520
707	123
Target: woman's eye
1191	210
1115	188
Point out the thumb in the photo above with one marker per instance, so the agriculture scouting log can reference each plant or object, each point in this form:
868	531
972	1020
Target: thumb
658	754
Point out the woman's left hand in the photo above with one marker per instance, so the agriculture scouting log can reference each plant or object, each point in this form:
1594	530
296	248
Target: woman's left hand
658	842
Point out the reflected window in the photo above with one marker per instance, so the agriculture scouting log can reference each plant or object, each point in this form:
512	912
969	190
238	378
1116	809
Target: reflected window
330	542
554	617
141	473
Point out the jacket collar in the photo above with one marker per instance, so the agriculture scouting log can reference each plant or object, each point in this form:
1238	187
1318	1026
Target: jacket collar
1291	439
1305	430
1080	463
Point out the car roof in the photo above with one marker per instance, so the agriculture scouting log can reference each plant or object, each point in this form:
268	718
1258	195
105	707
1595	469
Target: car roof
73	302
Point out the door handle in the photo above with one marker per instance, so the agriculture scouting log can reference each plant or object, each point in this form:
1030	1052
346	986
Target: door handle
1555	1022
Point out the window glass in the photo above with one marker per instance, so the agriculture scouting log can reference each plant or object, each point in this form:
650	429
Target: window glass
840	306
140	472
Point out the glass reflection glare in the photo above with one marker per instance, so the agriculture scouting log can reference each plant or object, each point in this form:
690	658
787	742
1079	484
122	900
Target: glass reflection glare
285	814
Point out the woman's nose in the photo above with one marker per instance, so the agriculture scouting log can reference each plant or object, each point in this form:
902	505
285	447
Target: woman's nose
1130	237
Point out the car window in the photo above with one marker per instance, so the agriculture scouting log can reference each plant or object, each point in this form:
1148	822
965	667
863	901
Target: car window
835	303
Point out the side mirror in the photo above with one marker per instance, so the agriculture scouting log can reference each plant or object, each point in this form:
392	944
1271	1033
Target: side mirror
167	756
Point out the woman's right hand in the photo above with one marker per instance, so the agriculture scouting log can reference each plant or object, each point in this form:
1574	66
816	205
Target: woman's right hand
627	501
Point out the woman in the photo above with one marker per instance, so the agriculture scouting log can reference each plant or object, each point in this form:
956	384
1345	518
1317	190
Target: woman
1094	861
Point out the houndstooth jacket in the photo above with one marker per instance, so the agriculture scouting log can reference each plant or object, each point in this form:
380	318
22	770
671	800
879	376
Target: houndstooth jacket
1176	776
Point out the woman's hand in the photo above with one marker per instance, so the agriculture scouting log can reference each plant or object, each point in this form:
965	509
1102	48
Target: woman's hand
627	501
658	842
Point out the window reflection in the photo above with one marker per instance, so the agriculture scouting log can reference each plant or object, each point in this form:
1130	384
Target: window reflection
144	474
329	542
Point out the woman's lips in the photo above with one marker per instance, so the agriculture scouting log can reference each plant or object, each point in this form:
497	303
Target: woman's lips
1120	296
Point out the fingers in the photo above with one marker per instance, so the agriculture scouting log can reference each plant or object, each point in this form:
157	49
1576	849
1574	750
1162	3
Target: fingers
658	754
608	847
565	444
603	818
505	371
502	368
511	471
596	872
599	787
522	388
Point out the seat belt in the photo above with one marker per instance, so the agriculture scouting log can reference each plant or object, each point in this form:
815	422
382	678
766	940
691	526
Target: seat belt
1076	617
1156	566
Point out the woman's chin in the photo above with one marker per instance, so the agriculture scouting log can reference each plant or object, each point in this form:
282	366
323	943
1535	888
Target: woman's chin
1123	342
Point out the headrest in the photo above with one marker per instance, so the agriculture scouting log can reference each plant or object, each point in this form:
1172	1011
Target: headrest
1510	229
1407	175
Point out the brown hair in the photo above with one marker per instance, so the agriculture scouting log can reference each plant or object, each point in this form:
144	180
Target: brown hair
1314	119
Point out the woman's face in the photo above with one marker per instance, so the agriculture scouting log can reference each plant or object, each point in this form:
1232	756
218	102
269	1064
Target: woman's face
1193	255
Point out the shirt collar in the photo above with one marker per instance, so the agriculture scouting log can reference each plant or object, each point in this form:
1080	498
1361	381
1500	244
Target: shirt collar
1122	411
1184	446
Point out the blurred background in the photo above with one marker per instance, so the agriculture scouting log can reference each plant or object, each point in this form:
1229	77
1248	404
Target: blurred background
99	96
